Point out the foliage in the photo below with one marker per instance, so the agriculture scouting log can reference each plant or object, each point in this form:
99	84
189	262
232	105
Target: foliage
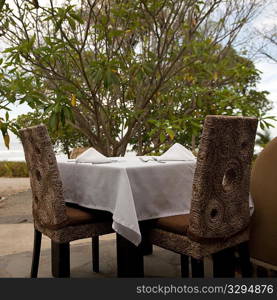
263	138
13	169
64	138
135	74
4	126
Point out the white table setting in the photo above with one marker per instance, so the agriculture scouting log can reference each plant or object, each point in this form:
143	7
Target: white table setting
133	189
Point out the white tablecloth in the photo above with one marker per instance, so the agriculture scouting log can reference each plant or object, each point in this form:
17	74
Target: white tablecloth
130	189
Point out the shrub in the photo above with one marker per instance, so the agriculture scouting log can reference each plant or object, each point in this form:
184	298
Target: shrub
13	169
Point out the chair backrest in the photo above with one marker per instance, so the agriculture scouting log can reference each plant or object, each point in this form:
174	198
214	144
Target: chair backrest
48	202
220	197
263	188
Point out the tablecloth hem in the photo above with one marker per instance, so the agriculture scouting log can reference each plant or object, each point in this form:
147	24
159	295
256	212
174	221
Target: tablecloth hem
131	235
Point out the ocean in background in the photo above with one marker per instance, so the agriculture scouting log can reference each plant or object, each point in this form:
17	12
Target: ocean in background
12	155
16	153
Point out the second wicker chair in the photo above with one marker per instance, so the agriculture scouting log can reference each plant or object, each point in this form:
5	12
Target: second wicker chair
219	216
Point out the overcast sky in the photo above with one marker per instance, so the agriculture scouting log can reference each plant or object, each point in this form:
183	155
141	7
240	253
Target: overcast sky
268	77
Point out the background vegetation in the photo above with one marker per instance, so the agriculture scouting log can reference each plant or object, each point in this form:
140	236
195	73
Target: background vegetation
13	169
129	74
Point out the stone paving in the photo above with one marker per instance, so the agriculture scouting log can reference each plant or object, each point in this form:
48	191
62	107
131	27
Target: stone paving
16	243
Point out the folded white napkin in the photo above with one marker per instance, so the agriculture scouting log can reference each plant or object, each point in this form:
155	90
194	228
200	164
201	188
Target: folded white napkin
177	152
92	156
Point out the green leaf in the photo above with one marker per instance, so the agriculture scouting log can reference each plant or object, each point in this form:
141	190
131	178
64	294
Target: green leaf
162	137
170	132
7	140
2	3
63	117
109	78
58	25
68	114
53	121
72	23
9	49
76	17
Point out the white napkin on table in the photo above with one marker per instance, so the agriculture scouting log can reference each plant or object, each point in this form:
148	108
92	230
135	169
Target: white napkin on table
92	156
177	152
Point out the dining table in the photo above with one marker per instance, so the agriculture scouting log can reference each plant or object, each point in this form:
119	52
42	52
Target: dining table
136	190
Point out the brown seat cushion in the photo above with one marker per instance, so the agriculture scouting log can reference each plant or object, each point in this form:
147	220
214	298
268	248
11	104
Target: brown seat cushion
176	224
80	215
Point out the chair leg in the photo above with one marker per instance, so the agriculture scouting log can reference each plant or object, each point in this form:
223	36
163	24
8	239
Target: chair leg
184	265
95	254
244	260
197	268
224	263
272	273
60	259
262	272
36	253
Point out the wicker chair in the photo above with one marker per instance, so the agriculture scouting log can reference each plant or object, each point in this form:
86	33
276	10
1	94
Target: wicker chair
263	229
219	216
52	217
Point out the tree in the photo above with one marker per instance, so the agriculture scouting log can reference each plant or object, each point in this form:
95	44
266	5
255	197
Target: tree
128	73
269	47
265	43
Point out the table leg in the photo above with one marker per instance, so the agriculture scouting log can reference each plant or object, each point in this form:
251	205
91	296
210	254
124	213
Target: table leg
224	263
129	258
146	246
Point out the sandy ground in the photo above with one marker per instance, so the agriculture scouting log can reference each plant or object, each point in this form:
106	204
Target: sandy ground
17	208
11	186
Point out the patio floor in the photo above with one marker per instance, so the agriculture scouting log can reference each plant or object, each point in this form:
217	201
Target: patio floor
16	254
16	243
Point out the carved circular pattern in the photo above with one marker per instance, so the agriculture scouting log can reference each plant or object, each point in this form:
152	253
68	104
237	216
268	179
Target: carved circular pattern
214	214
38	175
48	202
220	200
232	176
